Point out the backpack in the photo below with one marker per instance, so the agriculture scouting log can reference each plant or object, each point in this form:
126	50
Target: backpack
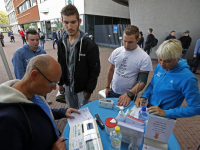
154	42
42	36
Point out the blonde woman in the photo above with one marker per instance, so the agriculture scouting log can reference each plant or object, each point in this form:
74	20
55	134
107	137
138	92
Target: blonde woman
171	84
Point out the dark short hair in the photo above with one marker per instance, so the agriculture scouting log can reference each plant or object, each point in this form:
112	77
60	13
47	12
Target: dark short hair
151	30
31	31
38	29
70	10
141	33
132	30
172	31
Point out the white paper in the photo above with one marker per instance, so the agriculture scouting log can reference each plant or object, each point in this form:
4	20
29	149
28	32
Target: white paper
85	115
77	143
135	112
159	128
147	147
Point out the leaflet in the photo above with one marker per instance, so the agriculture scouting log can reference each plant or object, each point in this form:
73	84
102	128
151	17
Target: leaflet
85	115
159	128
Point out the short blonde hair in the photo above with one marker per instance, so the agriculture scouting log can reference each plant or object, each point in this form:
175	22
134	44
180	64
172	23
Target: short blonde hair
170	49
132	30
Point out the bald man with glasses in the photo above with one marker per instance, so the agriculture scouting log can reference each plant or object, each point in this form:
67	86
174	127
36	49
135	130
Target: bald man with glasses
26	120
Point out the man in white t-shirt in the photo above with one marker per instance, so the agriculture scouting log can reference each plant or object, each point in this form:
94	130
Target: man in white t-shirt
129	68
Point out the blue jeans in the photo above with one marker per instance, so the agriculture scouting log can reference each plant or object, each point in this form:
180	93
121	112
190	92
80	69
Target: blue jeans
183	53
112	94
56	41
42	43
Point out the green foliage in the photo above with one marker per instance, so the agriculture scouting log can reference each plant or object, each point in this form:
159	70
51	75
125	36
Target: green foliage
4	17
58	23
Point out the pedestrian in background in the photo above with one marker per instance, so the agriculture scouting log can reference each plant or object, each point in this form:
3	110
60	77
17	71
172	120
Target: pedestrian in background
55	38
12	37
141	40
185	41
42	38
23	36
171	36
197	56
60	33
1	39
149	41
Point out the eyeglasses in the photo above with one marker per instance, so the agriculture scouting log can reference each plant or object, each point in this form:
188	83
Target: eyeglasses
51	83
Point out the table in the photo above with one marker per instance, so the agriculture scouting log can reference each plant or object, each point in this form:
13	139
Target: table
105	113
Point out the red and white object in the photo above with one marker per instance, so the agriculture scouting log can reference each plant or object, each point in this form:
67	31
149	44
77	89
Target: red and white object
110	124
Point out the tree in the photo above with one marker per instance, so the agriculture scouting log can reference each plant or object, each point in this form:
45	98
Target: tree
4	17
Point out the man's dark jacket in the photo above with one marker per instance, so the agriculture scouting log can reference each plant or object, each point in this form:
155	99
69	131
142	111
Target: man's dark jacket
28	127
170	37
87	65
24	125
149	41
185	41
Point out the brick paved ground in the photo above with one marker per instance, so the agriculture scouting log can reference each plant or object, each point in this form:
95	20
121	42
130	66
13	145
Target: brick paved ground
187	130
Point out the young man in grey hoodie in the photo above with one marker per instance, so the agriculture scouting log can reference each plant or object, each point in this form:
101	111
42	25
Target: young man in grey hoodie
78	56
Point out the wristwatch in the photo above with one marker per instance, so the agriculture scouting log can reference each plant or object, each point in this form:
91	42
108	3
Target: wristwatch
131	95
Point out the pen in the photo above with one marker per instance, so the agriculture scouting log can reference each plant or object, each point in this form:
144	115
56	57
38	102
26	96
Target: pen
65	139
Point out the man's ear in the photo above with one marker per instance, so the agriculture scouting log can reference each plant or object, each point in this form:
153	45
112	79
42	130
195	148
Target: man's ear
33	75
138	40
80	20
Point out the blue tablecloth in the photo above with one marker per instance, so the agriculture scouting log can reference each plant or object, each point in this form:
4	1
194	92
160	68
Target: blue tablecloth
105	113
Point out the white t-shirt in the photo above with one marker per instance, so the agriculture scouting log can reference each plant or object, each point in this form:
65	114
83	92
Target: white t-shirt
127	65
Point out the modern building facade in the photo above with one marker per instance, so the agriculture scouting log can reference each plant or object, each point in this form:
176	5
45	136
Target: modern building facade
11	15
99	18
165	16
27	13
92	13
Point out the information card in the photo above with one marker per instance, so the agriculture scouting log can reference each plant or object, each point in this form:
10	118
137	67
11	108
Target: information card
159	128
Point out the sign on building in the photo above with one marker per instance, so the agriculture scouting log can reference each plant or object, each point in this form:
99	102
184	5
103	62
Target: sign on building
115	29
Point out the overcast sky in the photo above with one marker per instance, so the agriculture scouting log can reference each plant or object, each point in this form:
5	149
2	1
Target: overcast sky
2	6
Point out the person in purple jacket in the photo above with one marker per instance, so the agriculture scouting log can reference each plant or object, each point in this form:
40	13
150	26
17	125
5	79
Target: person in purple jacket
26	120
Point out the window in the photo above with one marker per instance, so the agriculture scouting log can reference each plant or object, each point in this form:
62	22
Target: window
98	20
33	3
12	17
116	21
26	5
9	6
107	20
